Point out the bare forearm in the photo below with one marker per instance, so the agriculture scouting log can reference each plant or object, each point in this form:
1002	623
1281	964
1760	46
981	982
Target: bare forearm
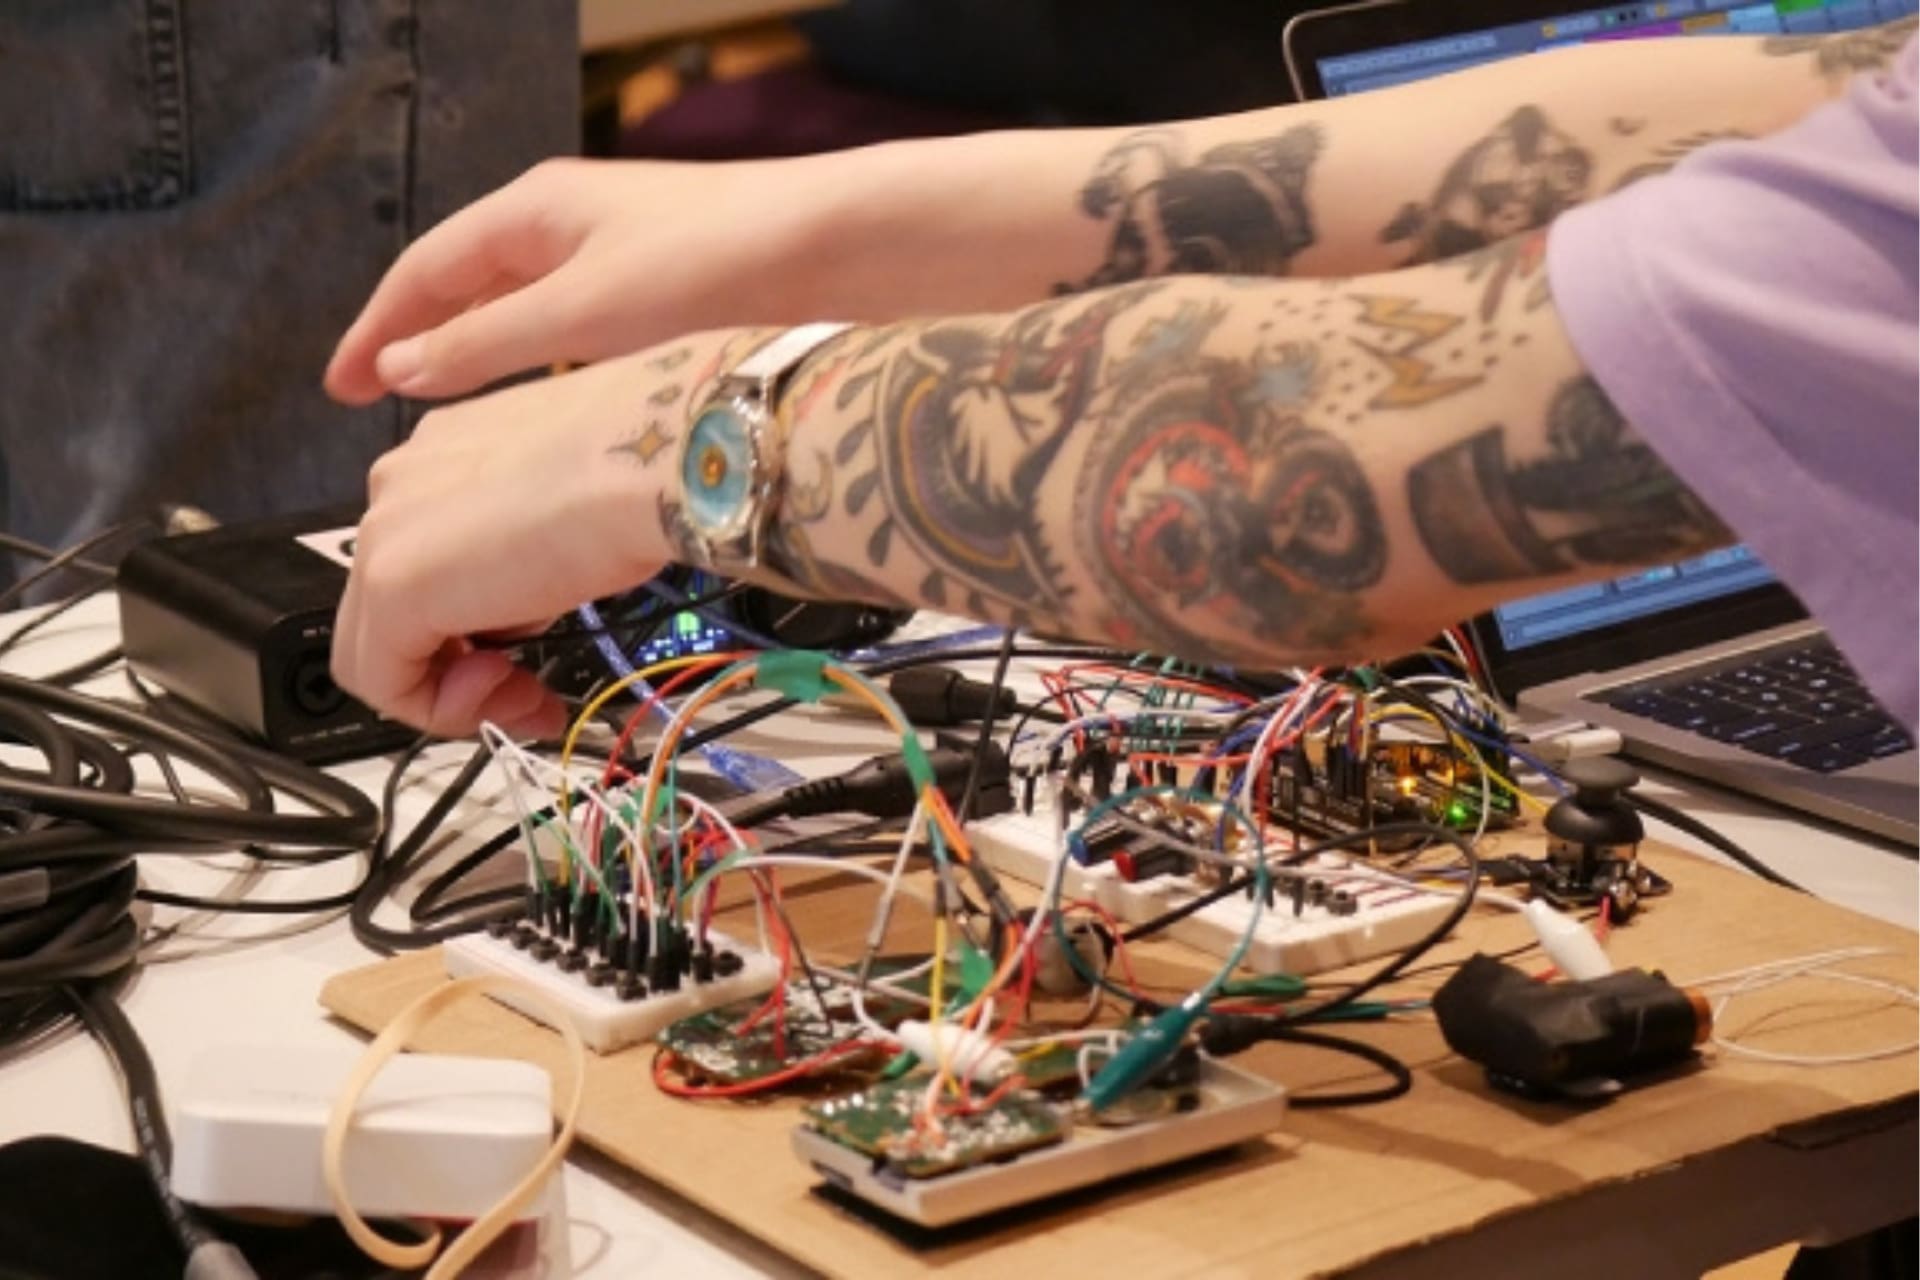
1267	471
1363	184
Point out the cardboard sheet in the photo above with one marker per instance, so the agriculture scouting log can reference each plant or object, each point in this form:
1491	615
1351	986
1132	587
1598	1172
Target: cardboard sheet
1333	1189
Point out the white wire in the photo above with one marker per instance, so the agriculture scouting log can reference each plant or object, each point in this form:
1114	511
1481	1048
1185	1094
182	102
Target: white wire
1109	1034
1082	1061
546	774
701	809
1818	966
495	740
882	912
1790	963
861	869
1380	876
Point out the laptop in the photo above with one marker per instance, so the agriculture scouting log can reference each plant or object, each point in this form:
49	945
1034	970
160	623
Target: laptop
1709	667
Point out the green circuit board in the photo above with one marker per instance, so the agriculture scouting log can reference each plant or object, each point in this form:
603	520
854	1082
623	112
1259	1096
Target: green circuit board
878	1122
710	1047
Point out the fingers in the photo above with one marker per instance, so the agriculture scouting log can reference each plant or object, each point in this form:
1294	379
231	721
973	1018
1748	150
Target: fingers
450	693
391	671
486	686
519	331
485	250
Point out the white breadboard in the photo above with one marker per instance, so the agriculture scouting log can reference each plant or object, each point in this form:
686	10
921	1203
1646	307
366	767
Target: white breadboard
605	1021
1387	918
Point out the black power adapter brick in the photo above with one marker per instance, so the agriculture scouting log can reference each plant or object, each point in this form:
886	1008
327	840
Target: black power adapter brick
238	622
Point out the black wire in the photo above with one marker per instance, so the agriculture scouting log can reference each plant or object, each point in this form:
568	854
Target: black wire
1399	1082
393	864
124	1049
250	906
40	551
65	560
52	613
345	823
444	914
1680	820
1352	992
86	669
964	810
71	828
1442	966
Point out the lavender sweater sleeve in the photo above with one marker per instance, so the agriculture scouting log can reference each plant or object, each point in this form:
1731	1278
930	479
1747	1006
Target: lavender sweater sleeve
1753	314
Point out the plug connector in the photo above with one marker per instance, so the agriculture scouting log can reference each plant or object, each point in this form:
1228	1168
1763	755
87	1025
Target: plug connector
882	788
940	697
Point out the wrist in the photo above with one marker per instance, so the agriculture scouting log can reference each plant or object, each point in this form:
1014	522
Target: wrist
978	223
632	470
717	479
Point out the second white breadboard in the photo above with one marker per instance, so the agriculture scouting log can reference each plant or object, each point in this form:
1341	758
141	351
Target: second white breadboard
606	1020
1387	917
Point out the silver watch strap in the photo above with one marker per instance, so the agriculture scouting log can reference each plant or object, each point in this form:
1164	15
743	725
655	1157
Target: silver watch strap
779	356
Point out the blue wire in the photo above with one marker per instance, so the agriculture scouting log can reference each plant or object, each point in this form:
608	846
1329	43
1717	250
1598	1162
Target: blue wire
1531	761
710	616
744	770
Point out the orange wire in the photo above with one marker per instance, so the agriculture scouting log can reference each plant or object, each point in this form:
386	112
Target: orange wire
633	721
663	1058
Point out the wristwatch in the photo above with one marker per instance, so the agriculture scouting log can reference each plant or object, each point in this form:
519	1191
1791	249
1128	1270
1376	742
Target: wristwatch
732	460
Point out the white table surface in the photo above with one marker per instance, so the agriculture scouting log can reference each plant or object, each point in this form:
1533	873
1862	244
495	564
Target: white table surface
246	979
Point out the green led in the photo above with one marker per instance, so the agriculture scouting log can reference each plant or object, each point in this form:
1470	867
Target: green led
687	625
1457	812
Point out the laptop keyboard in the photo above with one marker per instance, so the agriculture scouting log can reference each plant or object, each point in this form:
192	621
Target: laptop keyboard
1804	706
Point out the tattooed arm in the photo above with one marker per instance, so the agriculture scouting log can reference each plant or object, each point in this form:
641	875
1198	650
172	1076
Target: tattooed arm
583	261
1444	166
1259	471
1234	469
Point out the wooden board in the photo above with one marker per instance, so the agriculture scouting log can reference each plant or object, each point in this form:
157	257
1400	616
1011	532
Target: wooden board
1335	1188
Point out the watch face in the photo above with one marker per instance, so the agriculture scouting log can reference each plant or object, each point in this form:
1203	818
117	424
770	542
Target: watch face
716	471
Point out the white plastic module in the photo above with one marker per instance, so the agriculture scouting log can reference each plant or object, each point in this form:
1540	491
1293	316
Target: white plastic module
605	1020
1387	917
1234	1107
434	1137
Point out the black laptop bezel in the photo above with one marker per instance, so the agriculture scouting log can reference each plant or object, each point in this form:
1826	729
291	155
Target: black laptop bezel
1378	24
1642	639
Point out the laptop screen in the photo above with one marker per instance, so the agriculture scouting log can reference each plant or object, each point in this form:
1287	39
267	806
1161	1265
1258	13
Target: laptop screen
1397	64
1579	610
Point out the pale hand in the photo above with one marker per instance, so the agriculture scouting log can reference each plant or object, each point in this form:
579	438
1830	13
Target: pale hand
580	261
497	516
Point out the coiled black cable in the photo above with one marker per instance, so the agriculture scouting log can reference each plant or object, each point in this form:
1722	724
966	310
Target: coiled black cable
70	831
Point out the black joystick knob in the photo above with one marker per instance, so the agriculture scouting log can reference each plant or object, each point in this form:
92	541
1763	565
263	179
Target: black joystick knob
1595	822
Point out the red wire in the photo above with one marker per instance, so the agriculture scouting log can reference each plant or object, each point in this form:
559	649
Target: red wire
799	1070
1197	761
1140	676
775	1003
1119	941
633	722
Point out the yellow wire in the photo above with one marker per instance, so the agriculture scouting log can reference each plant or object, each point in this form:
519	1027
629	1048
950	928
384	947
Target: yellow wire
592	708
1479	761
